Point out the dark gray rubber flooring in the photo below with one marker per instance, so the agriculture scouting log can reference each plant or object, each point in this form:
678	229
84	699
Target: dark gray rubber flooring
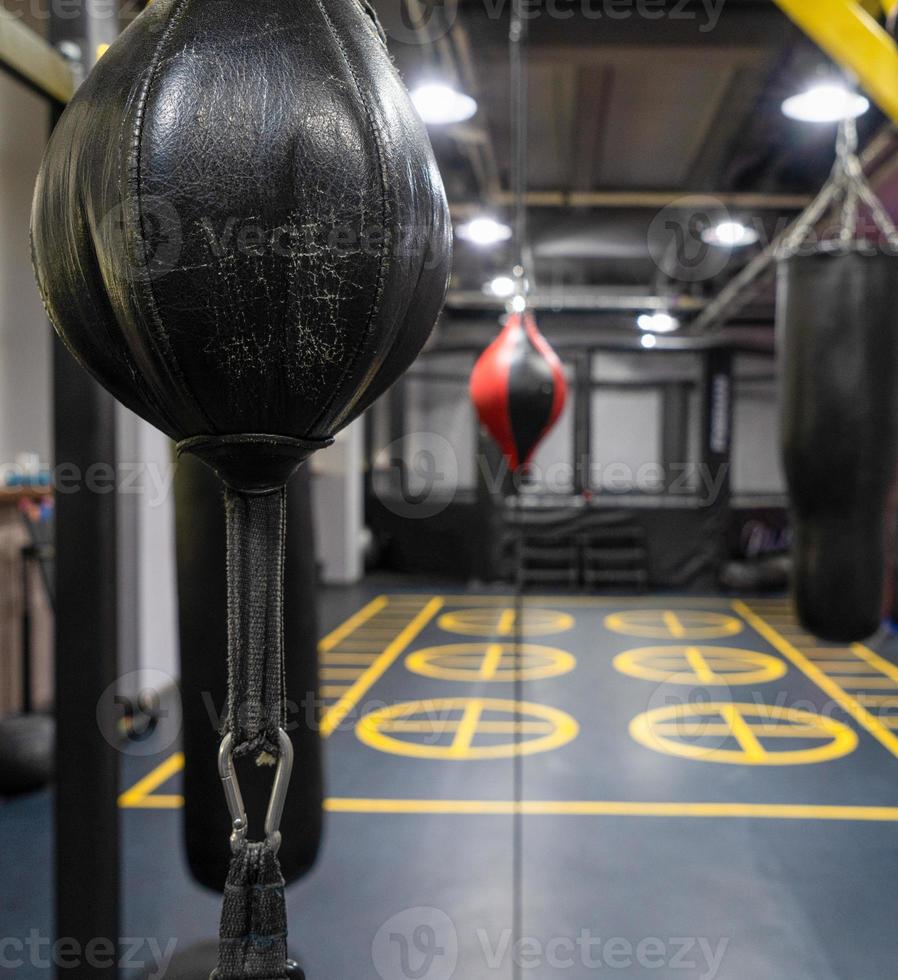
700	855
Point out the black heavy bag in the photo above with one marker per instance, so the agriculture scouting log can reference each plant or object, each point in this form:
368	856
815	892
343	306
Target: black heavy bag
203	680
837	323
240	231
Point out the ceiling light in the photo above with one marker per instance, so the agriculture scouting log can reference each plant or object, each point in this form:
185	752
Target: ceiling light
439	104
502	286
656	323
519	304
826	103
484	231
648	340
730	234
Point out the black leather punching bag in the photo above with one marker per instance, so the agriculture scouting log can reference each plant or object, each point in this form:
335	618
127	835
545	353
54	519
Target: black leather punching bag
203	639
239	229
837	323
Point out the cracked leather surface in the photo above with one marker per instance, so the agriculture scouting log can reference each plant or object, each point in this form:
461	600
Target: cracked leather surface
239	226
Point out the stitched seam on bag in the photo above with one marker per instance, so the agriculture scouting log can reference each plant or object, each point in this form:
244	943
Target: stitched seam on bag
171	362
381	272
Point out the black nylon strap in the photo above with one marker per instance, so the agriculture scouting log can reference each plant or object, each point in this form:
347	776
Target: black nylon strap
255	531
253	934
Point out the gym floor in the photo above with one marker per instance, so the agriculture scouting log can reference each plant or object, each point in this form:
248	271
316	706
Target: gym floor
707	793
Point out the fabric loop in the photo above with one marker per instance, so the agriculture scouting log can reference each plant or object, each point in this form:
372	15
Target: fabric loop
255	560
253	934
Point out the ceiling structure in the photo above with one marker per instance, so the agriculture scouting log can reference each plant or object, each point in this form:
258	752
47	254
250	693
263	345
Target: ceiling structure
644	115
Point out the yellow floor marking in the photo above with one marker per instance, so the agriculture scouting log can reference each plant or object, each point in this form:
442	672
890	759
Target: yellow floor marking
139	795
746	724
875	661
452	600
850	705
333	690
673	624
467	729
340	673
845	667
883	700
699	665
612	808
862	683
683	624
684	729
824	653
434	716
506	623
337	713
491	661
742	733
348	658
485	727
344	629
705	665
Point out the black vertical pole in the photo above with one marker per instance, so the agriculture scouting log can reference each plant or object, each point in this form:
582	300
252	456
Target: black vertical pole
86	660
717	426
582	420
87	783
27	684
674	431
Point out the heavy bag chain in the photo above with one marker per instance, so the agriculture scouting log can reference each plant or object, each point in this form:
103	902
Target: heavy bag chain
847	182
253	934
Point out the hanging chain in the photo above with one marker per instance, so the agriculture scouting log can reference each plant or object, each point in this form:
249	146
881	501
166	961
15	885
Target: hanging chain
847	182
517	36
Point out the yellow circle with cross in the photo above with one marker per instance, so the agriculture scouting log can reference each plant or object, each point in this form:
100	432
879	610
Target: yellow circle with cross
466	728
505	622
743	734
487	661
676	624
700	665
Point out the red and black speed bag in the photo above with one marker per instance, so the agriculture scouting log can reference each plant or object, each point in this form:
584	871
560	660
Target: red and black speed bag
518	389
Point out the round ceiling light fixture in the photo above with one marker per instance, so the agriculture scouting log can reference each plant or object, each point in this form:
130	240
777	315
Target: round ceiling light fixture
439	104
648	340
826	102
730	234
652	323
484	231
501	286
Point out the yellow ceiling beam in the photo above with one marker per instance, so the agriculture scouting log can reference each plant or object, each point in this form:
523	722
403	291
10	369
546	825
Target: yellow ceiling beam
854	39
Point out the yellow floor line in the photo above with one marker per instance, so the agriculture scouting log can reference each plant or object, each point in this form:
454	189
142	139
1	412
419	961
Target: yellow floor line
337	713
613	808
848	703
139	795
354	622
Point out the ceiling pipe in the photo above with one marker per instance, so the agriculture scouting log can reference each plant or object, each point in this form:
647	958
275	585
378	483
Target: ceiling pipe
590	300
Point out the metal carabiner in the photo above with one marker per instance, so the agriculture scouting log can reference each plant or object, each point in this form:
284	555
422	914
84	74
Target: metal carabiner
234	798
